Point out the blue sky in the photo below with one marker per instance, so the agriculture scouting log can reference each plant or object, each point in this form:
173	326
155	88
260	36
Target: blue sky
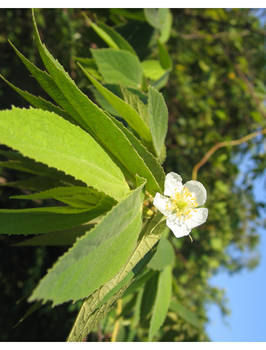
245	290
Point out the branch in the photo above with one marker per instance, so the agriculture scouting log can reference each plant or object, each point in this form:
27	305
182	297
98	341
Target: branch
220	145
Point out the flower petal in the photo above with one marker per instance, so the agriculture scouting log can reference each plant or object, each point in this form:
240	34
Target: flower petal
198	190
172	184
163	204
178	228
198	217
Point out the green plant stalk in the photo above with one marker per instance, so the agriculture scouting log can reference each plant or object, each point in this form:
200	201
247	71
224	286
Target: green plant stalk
94	308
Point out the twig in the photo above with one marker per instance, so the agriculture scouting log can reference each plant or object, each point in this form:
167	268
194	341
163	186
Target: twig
220	145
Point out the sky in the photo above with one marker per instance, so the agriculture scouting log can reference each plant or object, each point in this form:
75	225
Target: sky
245	290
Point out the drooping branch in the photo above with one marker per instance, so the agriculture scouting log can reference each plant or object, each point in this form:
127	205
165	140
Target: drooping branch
220	145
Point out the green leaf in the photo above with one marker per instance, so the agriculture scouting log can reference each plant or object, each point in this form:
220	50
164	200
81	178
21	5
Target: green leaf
128	13
16	165
152	170
136	317
126	281
75	196
31	309
86	266
185	313
165	58
118	67
160	83
166	28
164	255
102	33
138	101
121	42
90	66
128	113
160	19
96	122
156	17
34	183
85	321
139	282
152	69
101	101
37	102
47	83
158	118
45	219
46	177
162	301
148	299
47	138
112	38
57	238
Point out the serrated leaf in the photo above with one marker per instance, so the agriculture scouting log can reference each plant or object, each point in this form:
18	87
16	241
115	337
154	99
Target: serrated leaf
153	171
128	113
152	69
37	101
47	83
185	313
85	321
162	301
82	109
16	165
57	238
44	173
47	138
34	183
86	266
118	66
75	196
164	255
158	119
96	122
126	281
45	219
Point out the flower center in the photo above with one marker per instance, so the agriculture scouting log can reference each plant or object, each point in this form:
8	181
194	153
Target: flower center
182	203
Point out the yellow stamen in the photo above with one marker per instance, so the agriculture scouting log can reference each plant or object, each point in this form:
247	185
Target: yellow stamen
182	203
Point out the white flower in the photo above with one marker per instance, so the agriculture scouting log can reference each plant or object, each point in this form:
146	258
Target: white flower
180	206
